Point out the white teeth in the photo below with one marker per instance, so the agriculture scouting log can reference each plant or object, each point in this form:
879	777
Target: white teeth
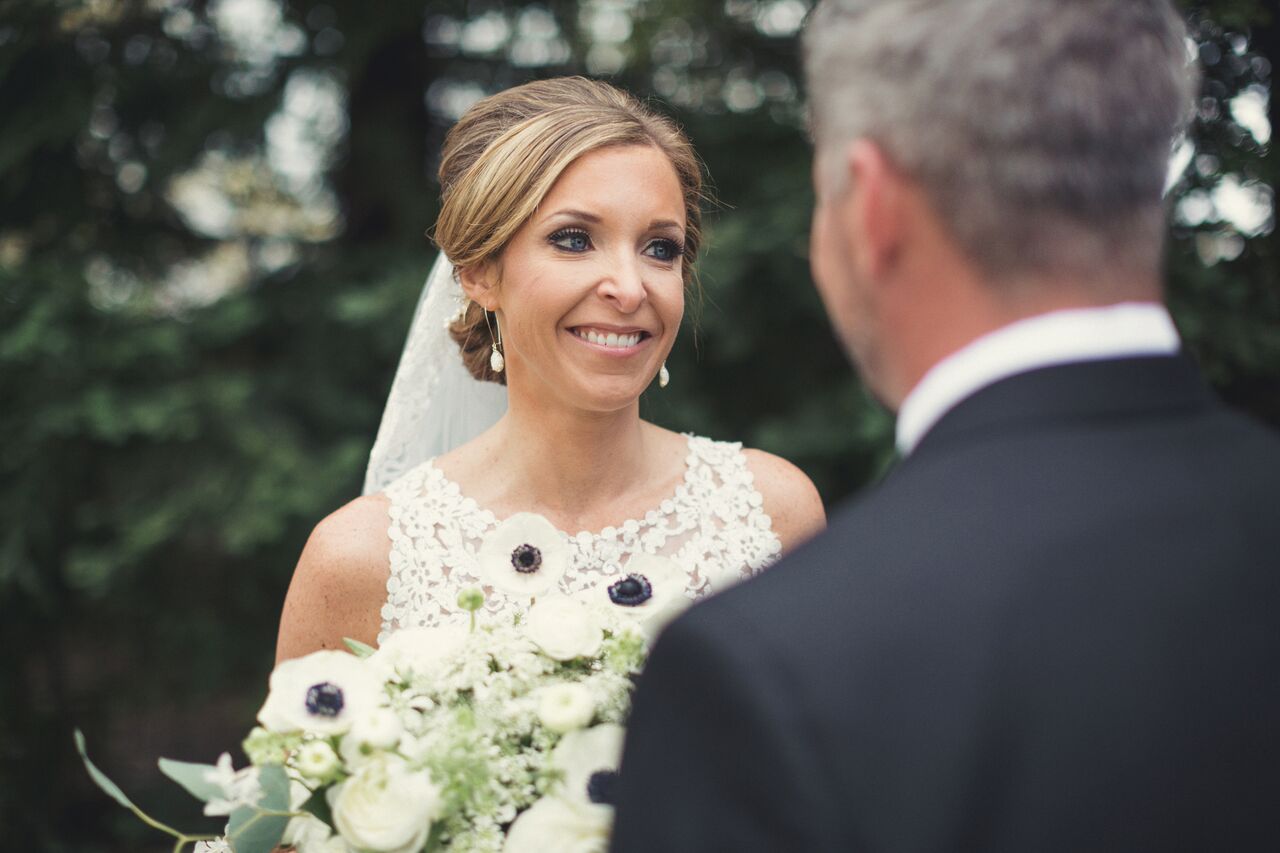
611	339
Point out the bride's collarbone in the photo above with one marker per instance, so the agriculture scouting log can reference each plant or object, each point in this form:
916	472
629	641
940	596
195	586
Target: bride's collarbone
571	504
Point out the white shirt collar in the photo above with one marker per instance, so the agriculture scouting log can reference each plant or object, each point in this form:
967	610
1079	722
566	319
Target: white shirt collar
1059	337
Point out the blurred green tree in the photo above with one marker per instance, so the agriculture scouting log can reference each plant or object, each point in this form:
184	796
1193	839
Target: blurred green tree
211	240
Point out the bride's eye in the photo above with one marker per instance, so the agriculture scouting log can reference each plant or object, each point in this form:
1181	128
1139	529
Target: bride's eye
664	250
571	240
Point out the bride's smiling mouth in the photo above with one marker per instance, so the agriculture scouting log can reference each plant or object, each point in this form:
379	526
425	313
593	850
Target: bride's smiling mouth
612	340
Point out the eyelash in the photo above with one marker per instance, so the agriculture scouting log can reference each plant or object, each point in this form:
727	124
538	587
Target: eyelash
675	247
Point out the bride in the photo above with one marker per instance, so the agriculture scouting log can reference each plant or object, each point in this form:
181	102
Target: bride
568	229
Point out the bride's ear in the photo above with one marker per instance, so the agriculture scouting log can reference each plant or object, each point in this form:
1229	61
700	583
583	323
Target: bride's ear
480	283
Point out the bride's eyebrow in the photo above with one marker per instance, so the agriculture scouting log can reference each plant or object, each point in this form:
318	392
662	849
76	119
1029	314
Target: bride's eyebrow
575	214
594	218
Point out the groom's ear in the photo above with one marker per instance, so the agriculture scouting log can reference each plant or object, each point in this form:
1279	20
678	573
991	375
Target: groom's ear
480	283
876	209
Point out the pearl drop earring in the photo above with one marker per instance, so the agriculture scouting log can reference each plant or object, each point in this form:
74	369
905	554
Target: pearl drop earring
664	376
497	362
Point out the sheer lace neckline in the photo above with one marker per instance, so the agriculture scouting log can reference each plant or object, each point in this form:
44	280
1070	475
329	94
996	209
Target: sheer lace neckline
653	516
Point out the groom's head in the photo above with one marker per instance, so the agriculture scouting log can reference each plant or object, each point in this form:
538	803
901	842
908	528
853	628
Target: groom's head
983	160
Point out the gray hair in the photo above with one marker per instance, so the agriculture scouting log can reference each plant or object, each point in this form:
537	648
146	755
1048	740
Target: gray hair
1040	130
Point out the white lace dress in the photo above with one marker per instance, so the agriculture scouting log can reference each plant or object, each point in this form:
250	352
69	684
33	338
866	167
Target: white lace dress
714	528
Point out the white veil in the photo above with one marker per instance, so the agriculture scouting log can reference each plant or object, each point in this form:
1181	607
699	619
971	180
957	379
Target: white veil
435	404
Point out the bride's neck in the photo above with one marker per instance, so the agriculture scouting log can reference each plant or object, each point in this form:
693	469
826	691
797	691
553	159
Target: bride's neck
570	461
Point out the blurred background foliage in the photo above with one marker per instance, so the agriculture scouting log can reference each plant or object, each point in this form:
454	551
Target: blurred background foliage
212	222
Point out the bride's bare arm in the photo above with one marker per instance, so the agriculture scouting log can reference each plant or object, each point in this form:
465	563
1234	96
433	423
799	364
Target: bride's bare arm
340	583
790	498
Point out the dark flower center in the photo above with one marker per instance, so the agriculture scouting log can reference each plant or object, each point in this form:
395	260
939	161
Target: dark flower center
526	559
631	591
324	700
602	787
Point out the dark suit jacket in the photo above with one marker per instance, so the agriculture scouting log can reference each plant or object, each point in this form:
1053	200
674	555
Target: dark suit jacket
1054	627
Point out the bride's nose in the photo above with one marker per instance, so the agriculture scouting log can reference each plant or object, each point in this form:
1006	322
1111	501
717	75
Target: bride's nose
623	285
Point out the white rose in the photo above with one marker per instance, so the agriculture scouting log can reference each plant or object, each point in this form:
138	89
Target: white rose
565	707
385	807
320	693
564	629
524	556
580	756
551	824
316	760
417	652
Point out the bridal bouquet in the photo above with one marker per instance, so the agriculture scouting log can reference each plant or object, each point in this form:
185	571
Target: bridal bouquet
504	737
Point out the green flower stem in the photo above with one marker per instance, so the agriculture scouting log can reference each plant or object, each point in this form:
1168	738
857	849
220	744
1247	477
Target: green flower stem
183	839
168	830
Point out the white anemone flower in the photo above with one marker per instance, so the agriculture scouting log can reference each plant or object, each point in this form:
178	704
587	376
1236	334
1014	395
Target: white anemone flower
564	628
418	653
523	556
321	693
589	759
651	591
552	824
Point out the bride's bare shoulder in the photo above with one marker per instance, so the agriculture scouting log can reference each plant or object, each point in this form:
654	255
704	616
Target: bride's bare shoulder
790	498
340	582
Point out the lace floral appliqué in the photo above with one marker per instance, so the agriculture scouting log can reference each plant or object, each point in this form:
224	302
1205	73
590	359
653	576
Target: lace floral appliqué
714	527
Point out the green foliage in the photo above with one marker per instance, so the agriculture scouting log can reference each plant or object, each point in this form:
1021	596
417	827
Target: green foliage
182	403
192	777
259	830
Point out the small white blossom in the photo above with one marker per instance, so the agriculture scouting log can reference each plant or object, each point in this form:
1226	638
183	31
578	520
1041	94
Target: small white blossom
524	556
317	760
217	845
239	787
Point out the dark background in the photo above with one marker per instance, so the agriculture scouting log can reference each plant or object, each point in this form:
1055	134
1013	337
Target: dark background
211	241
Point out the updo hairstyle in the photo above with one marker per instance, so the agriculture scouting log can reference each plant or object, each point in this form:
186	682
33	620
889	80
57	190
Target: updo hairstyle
502	157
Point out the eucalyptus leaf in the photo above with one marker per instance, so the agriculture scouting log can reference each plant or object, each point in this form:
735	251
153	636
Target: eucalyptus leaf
359	649
99	777
252	830
191	777
275	787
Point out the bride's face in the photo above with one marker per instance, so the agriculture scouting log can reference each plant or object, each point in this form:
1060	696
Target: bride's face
590	290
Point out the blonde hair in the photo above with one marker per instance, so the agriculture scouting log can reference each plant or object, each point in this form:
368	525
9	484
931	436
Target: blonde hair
503	156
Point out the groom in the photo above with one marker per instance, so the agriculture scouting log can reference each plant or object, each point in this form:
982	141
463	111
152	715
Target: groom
1056	625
